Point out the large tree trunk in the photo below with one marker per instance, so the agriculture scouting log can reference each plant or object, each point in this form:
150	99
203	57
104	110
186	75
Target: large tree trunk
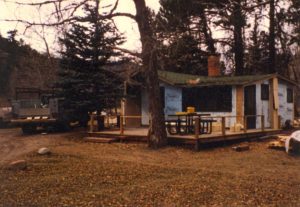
272	49
210	43
157	132
238	38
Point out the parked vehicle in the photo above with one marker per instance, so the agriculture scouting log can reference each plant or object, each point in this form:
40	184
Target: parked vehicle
5	116
42	110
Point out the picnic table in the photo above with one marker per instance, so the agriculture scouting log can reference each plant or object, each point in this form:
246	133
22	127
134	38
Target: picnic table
183	123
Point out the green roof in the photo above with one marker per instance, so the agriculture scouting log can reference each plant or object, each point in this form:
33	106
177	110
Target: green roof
187	80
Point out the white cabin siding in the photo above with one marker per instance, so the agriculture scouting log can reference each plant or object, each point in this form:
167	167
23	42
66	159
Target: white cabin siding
173	104
286	110
262	106
173	100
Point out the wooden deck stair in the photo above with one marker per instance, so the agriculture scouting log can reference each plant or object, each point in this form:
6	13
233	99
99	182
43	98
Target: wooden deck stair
118	137
101	140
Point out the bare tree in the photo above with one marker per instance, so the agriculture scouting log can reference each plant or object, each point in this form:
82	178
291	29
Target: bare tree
65	12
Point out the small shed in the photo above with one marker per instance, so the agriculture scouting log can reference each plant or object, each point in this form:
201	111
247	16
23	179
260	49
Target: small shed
269	95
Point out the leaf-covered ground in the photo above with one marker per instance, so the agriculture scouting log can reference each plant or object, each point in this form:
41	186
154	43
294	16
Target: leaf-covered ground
86	174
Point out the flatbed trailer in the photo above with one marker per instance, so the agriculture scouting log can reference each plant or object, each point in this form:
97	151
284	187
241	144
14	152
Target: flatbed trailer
44	110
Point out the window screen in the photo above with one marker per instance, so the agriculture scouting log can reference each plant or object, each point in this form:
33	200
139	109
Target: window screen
290	95
264	91
208	99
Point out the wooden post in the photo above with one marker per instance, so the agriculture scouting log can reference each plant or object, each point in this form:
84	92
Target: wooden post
92	123
223	126
279	122
245	124
107	121
262	123
196	127
121	125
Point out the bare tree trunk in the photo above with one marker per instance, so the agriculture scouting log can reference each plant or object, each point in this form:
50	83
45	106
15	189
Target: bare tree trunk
210	43
157	132
272	49
238	38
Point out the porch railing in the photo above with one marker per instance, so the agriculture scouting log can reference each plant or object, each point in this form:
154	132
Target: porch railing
197	131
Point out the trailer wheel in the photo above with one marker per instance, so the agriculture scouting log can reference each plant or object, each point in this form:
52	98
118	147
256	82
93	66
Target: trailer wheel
28	129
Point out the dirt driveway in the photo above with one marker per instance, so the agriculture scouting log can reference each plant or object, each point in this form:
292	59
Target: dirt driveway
119	174
13	144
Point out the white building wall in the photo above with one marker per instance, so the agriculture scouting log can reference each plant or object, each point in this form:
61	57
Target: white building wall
173	100
173	104
262	106
286	110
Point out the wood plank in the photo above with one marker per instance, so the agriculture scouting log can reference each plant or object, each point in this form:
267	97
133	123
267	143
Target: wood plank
100	140
239	104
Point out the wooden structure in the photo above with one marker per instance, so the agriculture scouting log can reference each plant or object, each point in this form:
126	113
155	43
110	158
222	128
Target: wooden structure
269	95
197	139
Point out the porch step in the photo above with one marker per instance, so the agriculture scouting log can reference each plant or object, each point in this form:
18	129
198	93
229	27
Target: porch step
100	139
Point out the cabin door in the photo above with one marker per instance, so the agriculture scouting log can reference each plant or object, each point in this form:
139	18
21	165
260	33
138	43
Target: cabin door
250	105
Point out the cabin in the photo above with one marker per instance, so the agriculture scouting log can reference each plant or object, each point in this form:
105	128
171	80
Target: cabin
269	96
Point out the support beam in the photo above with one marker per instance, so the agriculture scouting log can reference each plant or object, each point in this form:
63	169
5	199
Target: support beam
274	102
223	126
262	123
239	104
245	124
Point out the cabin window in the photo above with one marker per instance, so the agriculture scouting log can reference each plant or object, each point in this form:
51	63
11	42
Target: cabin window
208	99
264	91
162	96
290	95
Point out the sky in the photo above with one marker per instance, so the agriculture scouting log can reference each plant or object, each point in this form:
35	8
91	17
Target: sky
32	36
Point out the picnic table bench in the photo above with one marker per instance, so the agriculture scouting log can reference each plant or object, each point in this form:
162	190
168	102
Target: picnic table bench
184	124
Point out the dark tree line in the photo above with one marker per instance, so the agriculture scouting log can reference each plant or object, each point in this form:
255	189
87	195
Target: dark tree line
22	66
253	37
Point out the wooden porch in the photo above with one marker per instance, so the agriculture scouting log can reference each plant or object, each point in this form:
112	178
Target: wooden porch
225	134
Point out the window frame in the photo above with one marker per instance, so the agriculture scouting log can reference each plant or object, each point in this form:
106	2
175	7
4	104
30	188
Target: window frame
264	92
190	97
290	95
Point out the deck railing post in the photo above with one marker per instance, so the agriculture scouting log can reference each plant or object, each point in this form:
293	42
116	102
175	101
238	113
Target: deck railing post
245	124
279	122
197	127
262	123
197	132
121	125
223	126
92	123
107	121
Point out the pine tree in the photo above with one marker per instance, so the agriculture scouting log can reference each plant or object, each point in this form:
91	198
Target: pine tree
86	82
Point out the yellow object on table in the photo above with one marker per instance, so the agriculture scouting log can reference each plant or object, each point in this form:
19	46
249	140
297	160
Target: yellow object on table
190	109
181	113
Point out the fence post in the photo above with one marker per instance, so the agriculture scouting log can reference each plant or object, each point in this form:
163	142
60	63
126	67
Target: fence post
245	124
92	123
197	129
107	121
262	123
223	126
121	125
197	132
279	122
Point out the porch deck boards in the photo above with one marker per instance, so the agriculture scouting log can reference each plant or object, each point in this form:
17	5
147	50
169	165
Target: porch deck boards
140	134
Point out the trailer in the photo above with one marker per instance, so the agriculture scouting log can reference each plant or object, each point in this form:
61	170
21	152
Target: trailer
36	108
